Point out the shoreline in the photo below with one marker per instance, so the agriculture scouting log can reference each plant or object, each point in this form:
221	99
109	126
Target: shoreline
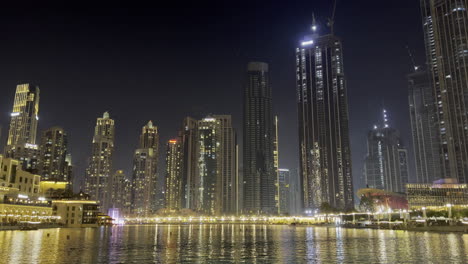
438	229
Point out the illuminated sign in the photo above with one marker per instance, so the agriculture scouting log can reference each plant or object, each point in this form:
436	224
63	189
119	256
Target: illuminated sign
15	114
306	43
172	141
31	146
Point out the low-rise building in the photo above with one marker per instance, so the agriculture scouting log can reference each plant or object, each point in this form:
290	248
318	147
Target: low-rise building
439	194
76	213
16	207
12	176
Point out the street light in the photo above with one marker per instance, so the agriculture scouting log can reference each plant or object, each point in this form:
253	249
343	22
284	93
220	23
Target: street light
424	216
449	206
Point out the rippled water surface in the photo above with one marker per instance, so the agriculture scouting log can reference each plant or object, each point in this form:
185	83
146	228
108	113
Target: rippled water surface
230	244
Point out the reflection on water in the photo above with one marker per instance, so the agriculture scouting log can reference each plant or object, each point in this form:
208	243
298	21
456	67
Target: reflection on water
229	243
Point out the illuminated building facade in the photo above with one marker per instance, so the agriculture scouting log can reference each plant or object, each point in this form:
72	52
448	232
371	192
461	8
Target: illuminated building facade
99	172
54	164
386	165
284	191
21	142
76	213
121	193
174	169
228	164
216	181
13	176
145	169
259	174
276	166
189	141
324	150
438	194
424	127
445	24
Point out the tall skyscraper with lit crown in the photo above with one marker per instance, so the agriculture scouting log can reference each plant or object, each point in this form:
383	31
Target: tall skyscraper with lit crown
324	150
145	172
174	169
99	172
21	143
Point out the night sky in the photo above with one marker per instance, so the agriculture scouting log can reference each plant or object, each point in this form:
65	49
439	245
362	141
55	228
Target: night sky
168	62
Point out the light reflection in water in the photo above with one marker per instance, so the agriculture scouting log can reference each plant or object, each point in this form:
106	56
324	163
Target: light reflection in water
193	243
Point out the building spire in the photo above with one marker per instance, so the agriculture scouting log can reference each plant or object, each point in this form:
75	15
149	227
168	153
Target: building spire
385	118
314	23
105	115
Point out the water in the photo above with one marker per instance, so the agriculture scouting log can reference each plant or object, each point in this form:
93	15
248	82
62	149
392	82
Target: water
230	244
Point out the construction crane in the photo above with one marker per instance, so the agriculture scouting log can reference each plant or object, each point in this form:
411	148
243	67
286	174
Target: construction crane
415	67
331	20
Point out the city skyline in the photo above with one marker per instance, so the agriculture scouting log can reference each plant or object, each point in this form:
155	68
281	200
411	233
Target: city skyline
283	80
235	131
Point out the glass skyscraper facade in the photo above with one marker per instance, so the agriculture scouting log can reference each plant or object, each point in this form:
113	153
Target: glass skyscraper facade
324	151
424	127
386	165
445	25
145	169
98	174
260	174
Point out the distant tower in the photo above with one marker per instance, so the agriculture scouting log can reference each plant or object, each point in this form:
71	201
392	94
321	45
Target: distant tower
278	193
324	149
189	141
424	127
98	175
386	165
145	169
227	163
216	189
446	39
259	171
53	161
121	193
284	191
21	142
174	169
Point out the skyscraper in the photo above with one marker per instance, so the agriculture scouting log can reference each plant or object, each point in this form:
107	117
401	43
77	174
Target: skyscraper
445	24
386	165
276	166
21	142
53	158
324	151
284	189
216	182
227	163
259	171
424	127
121	191
100	165
145	169
189	140
295	193
174	169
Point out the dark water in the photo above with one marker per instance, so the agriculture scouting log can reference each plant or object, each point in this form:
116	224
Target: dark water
230	244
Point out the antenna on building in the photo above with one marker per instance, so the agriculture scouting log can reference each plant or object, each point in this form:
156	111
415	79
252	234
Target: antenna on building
331	20
314	23
412	59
